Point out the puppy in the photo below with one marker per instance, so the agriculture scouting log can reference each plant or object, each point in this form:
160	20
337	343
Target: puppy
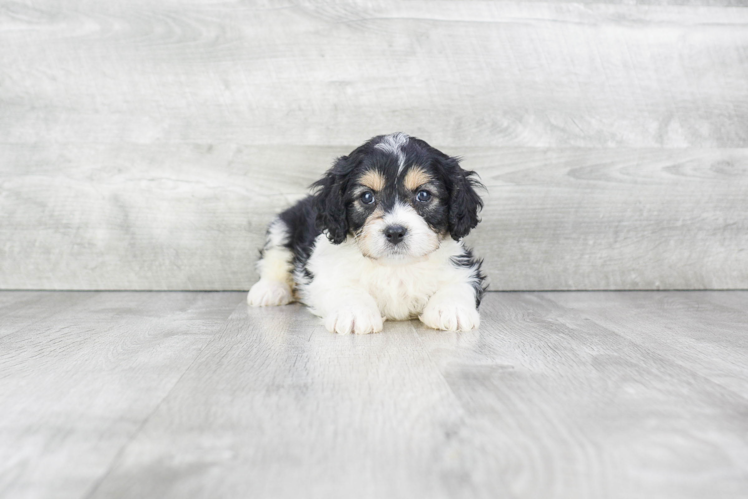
381	238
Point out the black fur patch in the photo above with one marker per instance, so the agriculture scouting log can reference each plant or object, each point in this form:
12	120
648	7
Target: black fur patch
453	211
300	221
336	210
478	282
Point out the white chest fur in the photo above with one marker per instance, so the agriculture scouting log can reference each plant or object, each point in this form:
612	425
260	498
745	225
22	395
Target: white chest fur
401	289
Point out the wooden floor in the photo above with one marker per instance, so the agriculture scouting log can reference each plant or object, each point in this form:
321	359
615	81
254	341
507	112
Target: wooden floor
193	394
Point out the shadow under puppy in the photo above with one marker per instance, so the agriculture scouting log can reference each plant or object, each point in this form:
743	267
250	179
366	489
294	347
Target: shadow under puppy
380	239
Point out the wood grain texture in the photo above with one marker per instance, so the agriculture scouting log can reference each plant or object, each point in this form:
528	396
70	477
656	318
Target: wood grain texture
589	394
705	332
145	145
22	310
193	216
144	217
472	73
300	412
611	219
585	394
560	406
76	384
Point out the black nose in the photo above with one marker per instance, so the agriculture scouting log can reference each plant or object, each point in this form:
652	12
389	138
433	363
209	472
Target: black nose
395	234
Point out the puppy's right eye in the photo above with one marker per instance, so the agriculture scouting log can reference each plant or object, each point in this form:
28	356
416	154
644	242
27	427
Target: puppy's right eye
367	198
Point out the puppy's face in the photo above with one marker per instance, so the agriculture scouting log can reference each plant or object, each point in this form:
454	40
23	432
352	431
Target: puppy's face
397	197
397	215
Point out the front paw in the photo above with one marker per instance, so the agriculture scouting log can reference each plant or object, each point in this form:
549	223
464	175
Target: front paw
442	314
269	293
354	319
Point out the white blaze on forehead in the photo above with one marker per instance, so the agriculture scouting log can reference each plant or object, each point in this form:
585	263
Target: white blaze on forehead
393	143
404	215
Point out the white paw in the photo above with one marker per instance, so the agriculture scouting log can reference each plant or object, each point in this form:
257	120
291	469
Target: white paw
445	315
355	319
269	293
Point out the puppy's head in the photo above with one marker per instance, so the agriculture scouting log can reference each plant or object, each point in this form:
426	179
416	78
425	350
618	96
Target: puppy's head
398	197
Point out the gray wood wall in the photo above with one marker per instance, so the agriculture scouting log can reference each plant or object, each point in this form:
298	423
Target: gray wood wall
145	145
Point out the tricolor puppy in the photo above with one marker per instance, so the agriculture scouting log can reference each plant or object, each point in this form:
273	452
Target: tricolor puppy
380	239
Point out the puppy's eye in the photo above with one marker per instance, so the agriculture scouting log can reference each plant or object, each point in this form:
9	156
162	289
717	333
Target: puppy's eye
367	198
423	196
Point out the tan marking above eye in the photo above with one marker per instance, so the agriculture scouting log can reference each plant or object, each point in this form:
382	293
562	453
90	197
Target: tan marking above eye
415	178
373	179
377	214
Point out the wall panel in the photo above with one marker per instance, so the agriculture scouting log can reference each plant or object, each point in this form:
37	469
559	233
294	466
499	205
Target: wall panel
144	145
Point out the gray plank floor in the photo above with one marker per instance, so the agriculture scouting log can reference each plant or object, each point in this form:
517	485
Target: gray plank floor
132	394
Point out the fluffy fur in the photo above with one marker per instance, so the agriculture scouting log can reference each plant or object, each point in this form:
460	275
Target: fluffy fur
380	238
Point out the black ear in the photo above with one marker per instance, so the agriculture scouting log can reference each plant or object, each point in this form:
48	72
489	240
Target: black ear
329	201
464	202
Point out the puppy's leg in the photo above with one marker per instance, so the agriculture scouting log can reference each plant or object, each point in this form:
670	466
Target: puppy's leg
275	266
452	308
348	310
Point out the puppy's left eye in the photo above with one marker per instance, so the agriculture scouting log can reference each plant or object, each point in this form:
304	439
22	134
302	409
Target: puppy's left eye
423	196
367	198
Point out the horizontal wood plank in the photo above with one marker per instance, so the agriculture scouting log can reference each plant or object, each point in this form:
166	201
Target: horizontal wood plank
289	410
192	217
476	73
560	406
145	146
541	401
76	383
702	331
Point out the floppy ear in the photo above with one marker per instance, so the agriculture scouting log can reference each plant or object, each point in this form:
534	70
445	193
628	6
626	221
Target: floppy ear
329	201
464	202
